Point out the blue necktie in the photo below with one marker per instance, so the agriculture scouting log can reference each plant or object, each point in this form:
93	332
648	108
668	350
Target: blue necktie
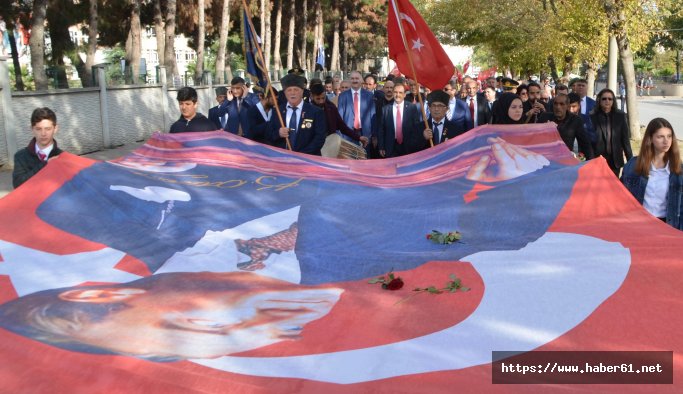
292	126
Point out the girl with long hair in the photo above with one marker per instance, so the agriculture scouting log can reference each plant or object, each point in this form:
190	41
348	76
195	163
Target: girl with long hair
655	176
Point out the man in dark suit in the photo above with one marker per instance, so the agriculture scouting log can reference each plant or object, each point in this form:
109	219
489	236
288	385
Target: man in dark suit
258	117
580	87
304	127
569	126
235	107
440	128
219	121
357	106
458	111
477	105
399	132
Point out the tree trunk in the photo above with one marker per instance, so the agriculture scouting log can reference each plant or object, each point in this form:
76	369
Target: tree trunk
222	43
201	35
590	77
304	29
87	80
169	53
334	64
19	82
61	44
37	44
133	45
277	62
553	69
318	38
290	35
267	39
345	43
159	31
568	65
262	10
617	17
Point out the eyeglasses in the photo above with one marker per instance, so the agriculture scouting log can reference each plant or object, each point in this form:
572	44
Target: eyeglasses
606	99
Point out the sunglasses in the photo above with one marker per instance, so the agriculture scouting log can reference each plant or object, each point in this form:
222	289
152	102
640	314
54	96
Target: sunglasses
606	98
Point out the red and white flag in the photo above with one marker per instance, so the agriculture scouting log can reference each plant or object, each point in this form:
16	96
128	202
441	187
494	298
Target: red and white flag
432	66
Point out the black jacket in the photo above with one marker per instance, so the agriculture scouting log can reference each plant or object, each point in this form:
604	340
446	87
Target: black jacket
571	129
198	123
621	135
27	163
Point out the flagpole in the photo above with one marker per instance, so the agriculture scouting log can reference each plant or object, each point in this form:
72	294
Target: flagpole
265	66
412	67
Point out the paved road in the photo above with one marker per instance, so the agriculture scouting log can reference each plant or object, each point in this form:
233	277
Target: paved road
670	109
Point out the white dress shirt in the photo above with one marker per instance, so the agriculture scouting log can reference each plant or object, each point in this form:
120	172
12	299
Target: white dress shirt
656	191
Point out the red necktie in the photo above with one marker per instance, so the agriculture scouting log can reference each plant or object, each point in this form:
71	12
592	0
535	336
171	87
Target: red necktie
472	109
42	156
356	111
399	125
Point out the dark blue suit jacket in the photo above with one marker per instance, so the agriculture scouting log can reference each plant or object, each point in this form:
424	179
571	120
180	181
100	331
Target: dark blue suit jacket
214	117
587	124
412	128
311	131
461	116
235	119
367	109
256	125
449	130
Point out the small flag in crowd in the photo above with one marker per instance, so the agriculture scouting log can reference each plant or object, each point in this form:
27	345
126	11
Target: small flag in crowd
255	68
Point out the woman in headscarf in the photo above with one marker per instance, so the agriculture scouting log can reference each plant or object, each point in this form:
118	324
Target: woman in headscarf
508	109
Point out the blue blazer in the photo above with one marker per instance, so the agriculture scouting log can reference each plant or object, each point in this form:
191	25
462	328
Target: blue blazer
412	128
367	109
461	116
235	119
311	131
256	126
215	118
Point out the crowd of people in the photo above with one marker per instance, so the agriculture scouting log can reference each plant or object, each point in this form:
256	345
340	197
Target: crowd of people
400	117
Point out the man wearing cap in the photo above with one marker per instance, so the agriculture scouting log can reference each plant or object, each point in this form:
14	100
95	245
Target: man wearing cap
258	117
281	100
440	128
219	121
357	106
333	120
509	85
304	123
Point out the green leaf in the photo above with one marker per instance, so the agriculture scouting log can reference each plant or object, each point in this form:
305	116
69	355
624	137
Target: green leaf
452	276
464	289
376	280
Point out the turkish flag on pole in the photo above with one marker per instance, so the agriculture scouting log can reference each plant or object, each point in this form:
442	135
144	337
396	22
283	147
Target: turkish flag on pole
433	68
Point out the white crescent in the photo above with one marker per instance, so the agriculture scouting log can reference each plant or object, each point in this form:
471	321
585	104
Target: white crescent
408	19
532	296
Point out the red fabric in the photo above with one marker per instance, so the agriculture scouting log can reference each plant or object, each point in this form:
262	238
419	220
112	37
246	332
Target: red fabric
465	67
432	66
399	125
356	111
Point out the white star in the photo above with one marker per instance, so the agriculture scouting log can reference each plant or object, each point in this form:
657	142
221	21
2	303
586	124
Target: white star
32	270
417	44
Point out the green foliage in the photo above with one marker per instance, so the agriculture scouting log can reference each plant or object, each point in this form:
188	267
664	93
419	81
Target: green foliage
26	77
